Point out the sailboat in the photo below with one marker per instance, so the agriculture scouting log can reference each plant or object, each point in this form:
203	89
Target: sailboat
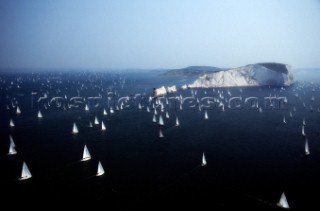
90	124
304	122
103	127
111	110
161	134
39	114
204	161
25	174
284	120
177	121
86	108
18	110
105	112
154	119
96	121
148	109
100	170
11	124
11	141
161	120
283	203
86	154
75	129
12	147
302	131
167	115
206	115
306	148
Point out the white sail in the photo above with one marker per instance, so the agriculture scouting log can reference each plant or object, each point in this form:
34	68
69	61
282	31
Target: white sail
204	161
11	141
177	121
161	134
90	124
206	115
75	129
25	174
11	124
103	127
12	148
167	115
161	122
111	110
105	112
306	148
96	121
154	119
86	108
302	131
39	114
100	170
222	108
284	120
86	154
304	122
155	112
148	109
18	110
283	202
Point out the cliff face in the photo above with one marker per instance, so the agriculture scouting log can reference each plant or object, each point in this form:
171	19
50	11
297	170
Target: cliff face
260	74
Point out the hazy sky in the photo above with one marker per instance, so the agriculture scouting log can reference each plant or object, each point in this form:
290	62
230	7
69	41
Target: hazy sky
158	33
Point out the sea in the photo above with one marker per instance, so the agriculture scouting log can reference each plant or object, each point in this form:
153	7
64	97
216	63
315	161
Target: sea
252	155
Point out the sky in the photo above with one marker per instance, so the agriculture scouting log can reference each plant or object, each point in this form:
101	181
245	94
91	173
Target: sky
147	34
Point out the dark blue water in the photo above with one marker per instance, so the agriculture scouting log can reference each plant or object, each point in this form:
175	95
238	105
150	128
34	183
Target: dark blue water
252	156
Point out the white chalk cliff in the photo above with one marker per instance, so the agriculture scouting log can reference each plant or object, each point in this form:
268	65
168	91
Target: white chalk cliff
261	74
